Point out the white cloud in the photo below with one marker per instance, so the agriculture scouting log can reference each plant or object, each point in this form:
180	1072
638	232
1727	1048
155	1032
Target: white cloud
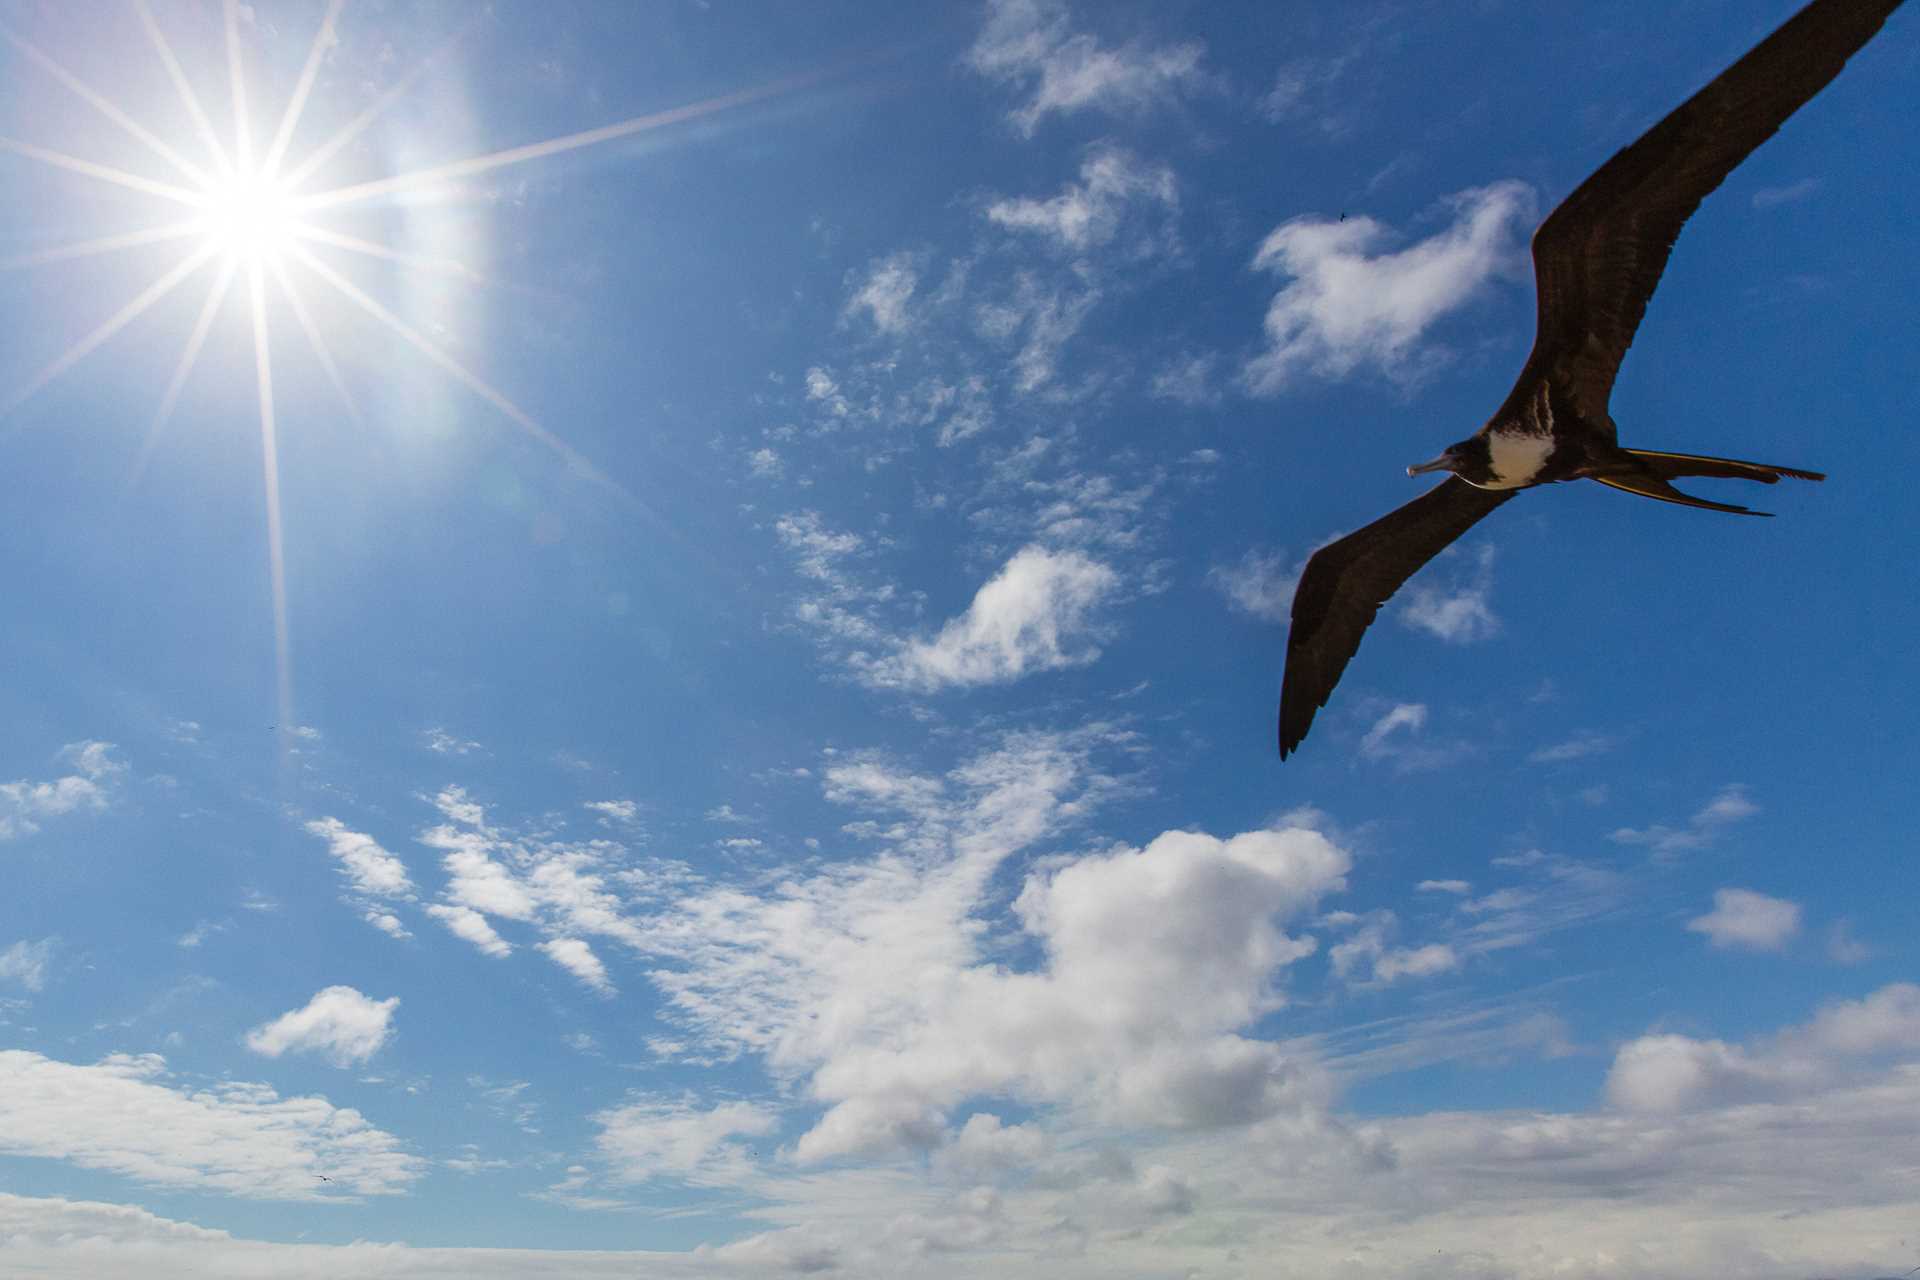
818	547
339	1022
95	778
441	742
1729	806
1365	956
26	963
471	925
869	981
1578	747
625	813
370	869
1348	304
1043	316
1663	1074
1116	191
1457	611
563	890
1260	584
386	922
1406	719
1189	380
650	1139
1030	41
1458	1193
1443	886
120	1115
765	464
1031	616
1791	193
884	294
201	932
577	958
1744	918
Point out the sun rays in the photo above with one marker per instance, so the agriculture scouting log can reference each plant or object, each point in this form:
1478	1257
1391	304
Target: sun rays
249	209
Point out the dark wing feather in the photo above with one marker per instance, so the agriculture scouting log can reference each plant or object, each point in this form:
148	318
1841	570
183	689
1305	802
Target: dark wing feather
1346	582
1598	257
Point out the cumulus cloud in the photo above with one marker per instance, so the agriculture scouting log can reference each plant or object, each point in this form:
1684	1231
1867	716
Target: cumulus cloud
122	1115
1748	919
1030	42
1116	191
339	1022
1666	1073
1031	616
869	981
95	777
1349	303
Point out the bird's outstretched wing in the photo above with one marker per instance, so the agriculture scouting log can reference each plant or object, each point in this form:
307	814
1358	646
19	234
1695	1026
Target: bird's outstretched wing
1598	257
1346	582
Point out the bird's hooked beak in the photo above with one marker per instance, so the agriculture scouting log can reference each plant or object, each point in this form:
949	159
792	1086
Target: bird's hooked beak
1441	463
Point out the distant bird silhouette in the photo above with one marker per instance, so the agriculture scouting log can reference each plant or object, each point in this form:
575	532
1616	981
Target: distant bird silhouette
1596	260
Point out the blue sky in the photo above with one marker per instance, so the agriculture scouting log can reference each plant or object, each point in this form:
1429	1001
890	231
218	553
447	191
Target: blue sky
735	733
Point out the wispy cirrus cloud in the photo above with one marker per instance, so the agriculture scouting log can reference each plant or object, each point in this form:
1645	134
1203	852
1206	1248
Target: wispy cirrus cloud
1451	599
26	963
1350	303
1260	583
1119	197
884	291
1729	806
1032	43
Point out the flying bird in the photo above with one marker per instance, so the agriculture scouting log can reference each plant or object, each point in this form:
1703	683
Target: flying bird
1596	260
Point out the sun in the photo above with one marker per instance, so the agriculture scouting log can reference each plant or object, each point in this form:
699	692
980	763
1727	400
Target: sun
249	219
257	220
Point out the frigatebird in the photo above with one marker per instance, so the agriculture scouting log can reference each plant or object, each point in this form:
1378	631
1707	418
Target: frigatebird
1596	260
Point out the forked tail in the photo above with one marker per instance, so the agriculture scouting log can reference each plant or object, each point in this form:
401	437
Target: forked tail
1655	469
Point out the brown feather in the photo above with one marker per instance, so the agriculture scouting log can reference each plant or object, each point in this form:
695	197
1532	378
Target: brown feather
1598	257
1346	582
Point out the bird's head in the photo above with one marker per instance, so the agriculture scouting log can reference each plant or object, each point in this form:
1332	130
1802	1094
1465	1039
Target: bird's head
1470	459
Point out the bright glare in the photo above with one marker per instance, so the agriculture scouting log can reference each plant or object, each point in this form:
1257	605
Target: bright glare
249	219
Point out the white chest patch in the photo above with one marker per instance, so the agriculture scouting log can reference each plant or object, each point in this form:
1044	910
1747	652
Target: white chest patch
1516	457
